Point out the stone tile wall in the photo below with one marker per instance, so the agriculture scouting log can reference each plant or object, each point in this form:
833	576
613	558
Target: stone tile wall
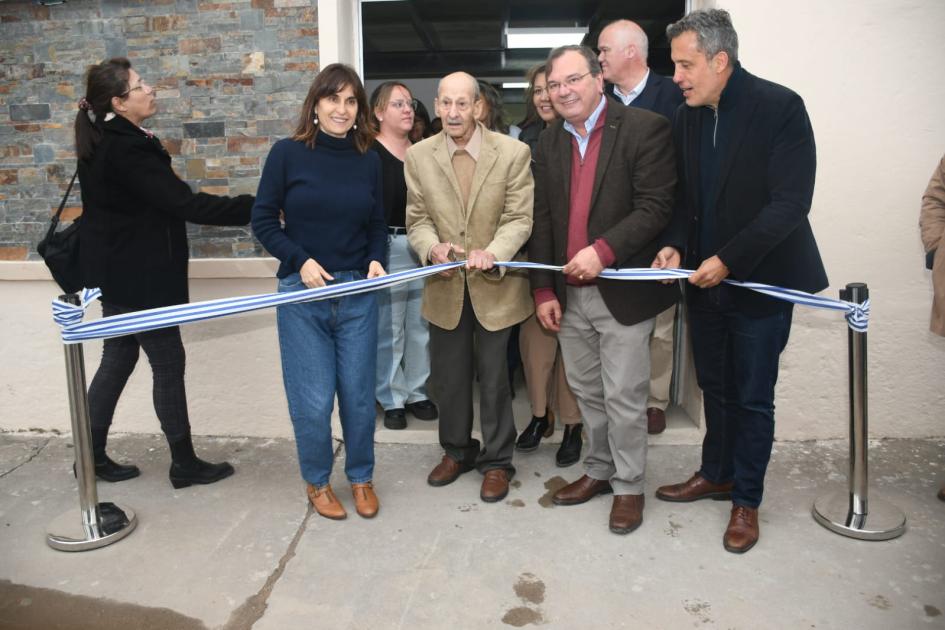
231	78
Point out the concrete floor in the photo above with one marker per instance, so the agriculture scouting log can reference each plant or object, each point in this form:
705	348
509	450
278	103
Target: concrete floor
248	553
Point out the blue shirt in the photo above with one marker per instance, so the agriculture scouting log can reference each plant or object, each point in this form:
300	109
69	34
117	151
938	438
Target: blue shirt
332	198
589	124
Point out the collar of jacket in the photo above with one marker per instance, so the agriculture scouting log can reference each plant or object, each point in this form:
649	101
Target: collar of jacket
121	125
734	89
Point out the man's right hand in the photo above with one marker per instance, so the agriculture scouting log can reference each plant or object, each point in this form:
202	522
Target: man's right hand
444	253
313	276
549	315
667	258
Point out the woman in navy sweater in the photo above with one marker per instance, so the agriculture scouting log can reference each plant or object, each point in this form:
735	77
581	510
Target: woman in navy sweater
327	184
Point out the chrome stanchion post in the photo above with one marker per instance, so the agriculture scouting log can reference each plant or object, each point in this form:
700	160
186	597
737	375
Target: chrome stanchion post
99	524
853	513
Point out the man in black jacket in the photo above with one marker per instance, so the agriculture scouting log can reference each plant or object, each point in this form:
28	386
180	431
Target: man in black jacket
746	160
624	49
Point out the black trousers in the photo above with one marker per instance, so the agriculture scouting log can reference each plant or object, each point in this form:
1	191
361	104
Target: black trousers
456	357
165	353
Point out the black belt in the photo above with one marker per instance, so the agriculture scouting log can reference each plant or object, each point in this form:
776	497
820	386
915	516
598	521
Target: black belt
394	231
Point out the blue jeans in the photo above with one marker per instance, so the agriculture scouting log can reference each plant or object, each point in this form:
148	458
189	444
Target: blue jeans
329	347
736	359
403	336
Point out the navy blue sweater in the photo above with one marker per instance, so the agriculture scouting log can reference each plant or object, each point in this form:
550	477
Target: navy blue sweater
332	197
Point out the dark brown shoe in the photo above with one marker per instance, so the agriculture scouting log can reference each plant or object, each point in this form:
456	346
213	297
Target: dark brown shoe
742	531
581	491
695	488
626	514
495	485
446	472
655	421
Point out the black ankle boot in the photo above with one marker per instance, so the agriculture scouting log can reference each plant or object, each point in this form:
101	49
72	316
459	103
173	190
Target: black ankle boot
188	469
108	470
570	450
530	438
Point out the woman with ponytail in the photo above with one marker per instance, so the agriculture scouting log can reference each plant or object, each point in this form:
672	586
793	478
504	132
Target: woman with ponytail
134	248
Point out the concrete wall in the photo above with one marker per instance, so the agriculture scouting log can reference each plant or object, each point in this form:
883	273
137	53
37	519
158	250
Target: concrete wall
870	72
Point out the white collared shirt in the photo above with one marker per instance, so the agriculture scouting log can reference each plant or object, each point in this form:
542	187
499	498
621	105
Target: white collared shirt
635	92
589	125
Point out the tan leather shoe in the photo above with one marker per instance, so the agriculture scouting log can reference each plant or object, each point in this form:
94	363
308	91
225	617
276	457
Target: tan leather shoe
446	472
655	420
495	485
695	488
581	491
742	532
326	503
365	501
626	514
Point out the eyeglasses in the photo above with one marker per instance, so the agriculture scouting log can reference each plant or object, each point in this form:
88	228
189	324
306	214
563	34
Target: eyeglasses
571	82
400	104
141	86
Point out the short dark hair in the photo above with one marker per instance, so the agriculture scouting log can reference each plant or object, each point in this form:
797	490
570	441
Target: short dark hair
713	29
593	64
331	80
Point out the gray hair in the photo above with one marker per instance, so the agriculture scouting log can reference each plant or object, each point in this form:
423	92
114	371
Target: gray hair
713	29
593	64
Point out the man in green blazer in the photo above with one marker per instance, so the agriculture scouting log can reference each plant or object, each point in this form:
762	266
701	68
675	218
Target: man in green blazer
470	195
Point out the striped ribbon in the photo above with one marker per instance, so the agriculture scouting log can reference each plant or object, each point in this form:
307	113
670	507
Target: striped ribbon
74	330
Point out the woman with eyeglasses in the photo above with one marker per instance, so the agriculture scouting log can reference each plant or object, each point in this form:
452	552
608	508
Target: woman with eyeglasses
327	184
403	336
541	359
133	246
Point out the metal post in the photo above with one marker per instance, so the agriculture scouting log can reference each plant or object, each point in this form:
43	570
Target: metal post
853	513
99	524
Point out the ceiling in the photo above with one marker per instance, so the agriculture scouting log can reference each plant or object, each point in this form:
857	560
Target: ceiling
430	38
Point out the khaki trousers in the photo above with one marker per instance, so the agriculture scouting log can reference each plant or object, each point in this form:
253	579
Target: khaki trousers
545	377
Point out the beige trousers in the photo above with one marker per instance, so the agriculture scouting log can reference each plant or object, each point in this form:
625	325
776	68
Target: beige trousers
544	373
661	359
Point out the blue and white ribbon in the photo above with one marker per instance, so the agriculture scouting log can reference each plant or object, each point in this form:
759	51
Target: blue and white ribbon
74	330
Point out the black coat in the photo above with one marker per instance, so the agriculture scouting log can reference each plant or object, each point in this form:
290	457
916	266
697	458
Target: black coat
133	238
659	95
631	204
762	194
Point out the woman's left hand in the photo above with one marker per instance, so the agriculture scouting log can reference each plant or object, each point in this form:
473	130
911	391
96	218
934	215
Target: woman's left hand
375	270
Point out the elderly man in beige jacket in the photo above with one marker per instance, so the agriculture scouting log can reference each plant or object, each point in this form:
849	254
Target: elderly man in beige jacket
470	195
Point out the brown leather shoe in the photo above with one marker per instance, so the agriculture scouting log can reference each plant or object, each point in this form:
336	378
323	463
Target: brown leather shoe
695	488
326	503
495	485
446	472
365	501
742	531
581	491
655	421
626	514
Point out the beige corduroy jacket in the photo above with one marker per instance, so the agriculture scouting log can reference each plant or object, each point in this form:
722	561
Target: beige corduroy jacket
498	219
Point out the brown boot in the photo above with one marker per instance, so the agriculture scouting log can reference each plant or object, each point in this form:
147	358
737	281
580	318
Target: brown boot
742	532
695	488
626	513
326	503
655	420
365	501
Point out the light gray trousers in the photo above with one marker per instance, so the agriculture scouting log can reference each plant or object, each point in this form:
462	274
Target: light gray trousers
608	368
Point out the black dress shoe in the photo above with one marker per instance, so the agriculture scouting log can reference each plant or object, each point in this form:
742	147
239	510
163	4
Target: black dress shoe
570	450
199	472
395	419
423	410
109	470
530	438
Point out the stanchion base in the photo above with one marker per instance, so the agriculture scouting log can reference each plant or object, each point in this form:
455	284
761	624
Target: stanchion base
882	522
71	535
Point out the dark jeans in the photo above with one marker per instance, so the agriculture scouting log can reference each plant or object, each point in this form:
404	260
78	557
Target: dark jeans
165	353
736	359
452	353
